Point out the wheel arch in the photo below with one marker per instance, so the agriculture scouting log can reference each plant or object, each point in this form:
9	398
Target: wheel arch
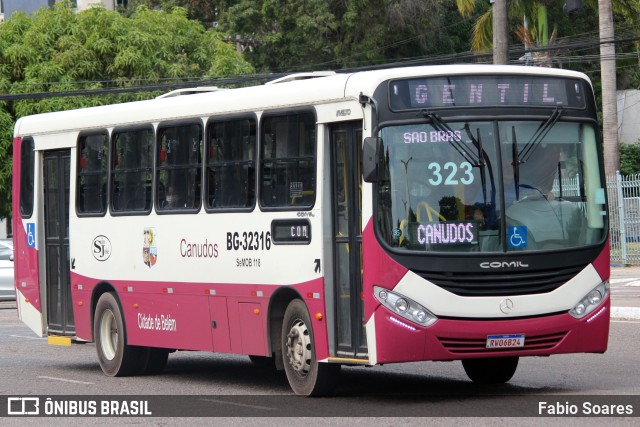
277	306
102	288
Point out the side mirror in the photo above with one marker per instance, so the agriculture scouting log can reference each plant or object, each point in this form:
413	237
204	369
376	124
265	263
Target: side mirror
371	159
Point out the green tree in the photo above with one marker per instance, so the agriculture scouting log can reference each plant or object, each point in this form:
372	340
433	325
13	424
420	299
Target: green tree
630	158
332	34
286	35
539	15
200	10
57	50
529	18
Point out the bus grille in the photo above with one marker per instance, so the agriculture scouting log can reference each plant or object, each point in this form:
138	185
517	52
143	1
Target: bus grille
502	284
478	345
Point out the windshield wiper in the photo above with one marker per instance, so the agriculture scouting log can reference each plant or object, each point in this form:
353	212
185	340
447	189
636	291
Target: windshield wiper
483	160
442	126
518	158
515	162
542	131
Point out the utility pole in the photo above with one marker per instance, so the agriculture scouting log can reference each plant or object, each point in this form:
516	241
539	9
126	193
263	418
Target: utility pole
500	33
608	77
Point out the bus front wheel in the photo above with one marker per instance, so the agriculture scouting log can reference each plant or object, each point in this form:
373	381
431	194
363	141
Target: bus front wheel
115	356
306	376
493	370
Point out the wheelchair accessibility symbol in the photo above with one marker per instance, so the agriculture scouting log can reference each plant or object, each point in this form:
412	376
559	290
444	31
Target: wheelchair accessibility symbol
31	234
517	237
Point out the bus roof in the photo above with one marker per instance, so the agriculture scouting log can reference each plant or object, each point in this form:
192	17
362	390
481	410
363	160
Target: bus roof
283	93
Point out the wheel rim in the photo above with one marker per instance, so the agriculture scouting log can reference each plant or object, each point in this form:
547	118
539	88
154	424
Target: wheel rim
108	334
299	348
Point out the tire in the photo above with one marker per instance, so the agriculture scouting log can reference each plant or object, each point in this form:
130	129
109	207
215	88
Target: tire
117	359
495	370
306	376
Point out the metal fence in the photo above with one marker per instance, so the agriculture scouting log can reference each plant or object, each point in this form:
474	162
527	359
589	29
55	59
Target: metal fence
624	218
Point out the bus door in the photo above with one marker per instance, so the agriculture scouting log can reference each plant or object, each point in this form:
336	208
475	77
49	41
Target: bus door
56	173
347	239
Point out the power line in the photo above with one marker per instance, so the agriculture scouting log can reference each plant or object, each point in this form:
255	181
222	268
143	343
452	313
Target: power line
261	78
237	80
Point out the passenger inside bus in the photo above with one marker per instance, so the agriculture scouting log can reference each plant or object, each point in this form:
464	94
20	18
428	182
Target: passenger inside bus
551	220
171	198
521	180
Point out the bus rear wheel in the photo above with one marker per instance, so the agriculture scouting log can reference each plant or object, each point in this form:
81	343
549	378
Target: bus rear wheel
115	356
495	370
306	376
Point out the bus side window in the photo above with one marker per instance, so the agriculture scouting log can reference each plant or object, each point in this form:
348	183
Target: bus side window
147	194
27	162
288	165
230	150
179	157
132	162
92	155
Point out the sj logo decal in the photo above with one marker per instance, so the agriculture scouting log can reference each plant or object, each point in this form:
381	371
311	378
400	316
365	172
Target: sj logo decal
101	248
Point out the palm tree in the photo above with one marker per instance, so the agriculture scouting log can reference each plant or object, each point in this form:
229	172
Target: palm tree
608	81
536	36
533	12
540	58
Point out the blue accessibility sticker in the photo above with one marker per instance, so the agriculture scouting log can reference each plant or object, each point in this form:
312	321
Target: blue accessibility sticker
517	237
31	234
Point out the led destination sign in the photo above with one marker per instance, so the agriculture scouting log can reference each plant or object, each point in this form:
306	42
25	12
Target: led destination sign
486	91
291	231
443	233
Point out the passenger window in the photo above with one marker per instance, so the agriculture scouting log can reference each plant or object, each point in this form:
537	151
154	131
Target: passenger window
27	166
132	170
288	161
179	163
91	191
231	151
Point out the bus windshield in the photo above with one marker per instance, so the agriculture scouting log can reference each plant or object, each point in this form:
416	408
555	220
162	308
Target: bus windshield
490	186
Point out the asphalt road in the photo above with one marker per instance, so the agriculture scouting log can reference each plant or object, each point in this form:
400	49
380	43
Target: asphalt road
218	385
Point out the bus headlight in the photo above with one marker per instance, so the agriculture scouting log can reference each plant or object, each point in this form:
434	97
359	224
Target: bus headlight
404	307
401	305
594	297
590	301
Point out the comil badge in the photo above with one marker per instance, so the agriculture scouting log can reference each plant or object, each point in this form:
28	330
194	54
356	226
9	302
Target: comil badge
149	249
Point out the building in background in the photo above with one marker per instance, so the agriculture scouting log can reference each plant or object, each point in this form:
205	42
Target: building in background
7	7
108	4
629	116
28	6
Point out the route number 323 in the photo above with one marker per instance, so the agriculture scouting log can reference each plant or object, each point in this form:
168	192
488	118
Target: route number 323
451	173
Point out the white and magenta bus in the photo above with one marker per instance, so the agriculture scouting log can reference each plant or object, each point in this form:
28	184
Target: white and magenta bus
411	214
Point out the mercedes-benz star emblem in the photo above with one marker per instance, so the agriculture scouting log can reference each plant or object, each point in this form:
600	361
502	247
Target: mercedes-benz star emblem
506	305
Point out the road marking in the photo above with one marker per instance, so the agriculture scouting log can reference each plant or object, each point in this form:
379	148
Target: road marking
624	321
624	279
624	290
29	338
66	380
625	313
224	402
